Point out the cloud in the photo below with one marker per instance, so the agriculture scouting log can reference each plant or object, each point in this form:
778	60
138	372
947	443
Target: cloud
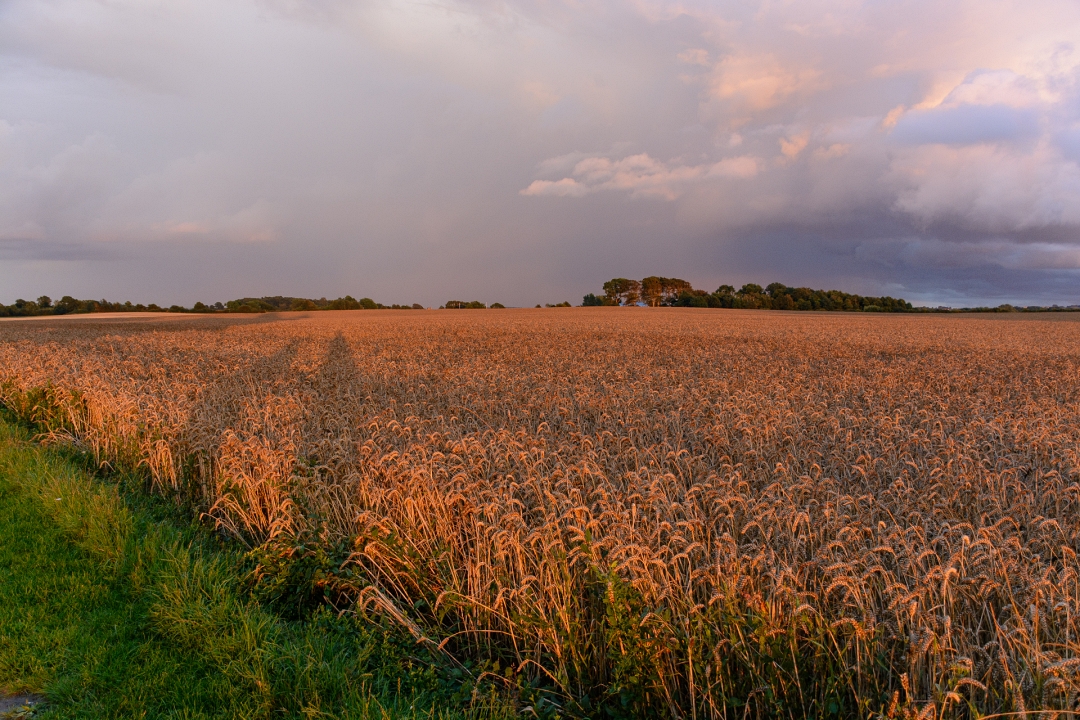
640	175
695	56
255	223
931	252
967	125
760	82
1068	140
744	166
988	106
567	187
989	189
995	87
183	228
836	150
791	147
28	231
415	151
35	250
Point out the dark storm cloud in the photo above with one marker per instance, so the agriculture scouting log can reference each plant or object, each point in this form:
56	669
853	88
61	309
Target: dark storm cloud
525	151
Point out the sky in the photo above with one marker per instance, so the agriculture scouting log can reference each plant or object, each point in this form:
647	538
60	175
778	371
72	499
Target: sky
525	151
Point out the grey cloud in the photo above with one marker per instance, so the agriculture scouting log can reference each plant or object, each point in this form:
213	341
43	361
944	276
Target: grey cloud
31	249
899	260
524	151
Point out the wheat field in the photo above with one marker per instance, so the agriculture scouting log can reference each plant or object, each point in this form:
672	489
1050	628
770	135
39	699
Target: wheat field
631	511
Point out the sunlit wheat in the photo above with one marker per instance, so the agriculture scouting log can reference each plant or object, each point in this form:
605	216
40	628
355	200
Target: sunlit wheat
672	507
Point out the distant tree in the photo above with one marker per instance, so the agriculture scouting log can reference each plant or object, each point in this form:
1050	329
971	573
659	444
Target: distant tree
612	290
44	302
652	290
692	298
498	306
621	291
345	303
66	304
673	287
776	289
591	300
200	307
752	296
657	291
259	305
463	305
268	303
368	303
299	304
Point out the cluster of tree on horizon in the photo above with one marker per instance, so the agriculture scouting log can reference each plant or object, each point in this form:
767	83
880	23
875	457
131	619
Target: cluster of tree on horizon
469	305
279	303
657	291
652	291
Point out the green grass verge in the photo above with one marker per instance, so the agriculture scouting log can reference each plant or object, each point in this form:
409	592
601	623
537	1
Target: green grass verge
113	607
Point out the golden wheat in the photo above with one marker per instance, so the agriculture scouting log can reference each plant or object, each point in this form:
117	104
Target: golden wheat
591	490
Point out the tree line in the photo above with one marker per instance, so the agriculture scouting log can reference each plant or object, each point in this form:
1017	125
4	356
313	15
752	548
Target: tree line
657	291
279	303
68	305
469	305
652	291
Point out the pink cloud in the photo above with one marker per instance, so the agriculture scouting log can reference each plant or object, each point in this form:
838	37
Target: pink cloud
641	176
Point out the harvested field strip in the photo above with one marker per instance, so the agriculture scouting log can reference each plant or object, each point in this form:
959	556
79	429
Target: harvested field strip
678	512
